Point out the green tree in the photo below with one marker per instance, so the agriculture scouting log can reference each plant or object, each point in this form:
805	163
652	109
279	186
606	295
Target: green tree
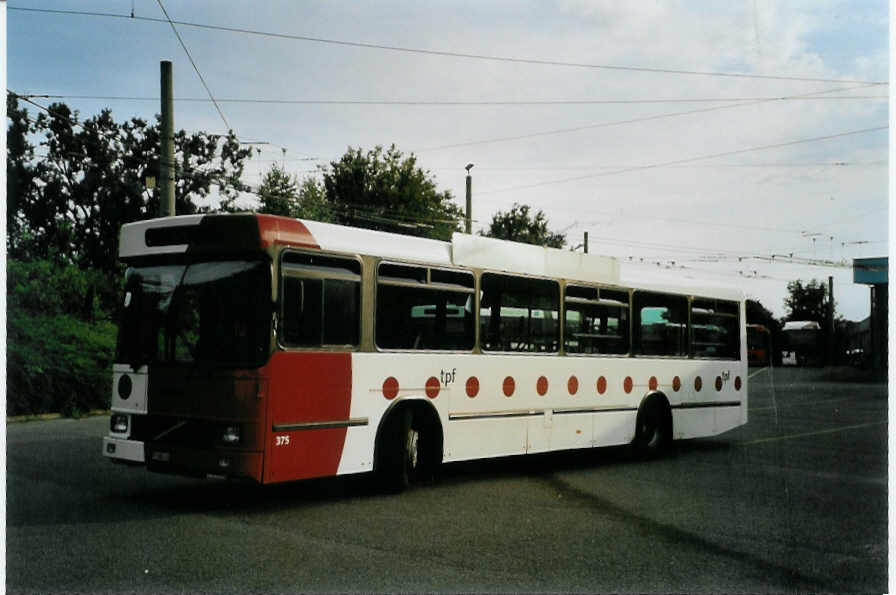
382	189
70	202
519	225
20	173
278	193
313	203
807	301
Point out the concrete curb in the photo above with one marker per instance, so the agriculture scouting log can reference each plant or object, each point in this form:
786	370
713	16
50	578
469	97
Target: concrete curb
48	416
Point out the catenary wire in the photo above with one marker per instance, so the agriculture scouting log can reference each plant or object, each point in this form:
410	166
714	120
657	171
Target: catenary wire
686	160
196	68
450	54
450	103
623	122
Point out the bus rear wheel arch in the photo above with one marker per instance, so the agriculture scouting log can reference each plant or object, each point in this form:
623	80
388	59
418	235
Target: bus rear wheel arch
653	427
409	446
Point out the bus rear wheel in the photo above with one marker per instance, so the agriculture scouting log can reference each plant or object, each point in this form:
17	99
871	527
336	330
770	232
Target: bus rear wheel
653	430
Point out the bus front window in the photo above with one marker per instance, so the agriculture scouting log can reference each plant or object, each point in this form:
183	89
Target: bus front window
207	313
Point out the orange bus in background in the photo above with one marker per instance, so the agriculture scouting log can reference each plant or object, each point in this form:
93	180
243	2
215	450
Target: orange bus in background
759	345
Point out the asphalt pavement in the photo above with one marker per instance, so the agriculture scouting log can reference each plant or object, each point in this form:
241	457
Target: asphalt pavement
794	501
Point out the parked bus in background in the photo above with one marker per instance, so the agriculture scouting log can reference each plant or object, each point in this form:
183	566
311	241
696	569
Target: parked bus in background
276	349
802	344
759	345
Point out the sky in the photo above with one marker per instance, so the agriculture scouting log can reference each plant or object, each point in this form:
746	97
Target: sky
743	143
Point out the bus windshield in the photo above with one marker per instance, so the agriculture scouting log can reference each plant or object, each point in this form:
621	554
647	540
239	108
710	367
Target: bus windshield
216	313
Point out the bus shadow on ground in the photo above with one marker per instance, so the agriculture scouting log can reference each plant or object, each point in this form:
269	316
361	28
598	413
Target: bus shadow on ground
221	496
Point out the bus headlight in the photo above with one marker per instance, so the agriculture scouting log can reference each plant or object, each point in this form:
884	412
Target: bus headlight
231	435
119	424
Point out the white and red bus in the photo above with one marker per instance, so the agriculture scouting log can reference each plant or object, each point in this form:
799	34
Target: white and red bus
278	349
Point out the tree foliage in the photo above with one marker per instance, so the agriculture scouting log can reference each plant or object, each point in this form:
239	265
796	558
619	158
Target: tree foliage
313	203
384	190
519	225
69	204
278	193
60	342
807	301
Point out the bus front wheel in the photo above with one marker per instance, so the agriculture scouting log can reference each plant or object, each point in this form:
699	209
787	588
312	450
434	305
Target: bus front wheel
399	456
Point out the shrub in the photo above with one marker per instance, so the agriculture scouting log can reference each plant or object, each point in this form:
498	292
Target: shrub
60	343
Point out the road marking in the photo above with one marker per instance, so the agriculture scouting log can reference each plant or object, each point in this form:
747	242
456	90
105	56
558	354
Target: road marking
757	371
818	433
802	404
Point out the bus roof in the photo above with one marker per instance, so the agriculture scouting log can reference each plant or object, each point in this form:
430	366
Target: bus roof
245	232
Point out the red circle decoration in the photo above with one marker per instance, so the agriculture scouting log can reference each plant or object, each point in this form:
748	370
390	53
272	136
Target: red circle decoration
509	386
737	383
390	388
676	384
472	386
718	383
542	386
432	387
653	383
572	385
698	384
628	384
601	385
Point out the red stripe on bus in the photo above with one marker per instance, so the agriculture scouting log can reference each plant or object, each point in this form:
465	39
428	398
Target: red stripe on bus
284	231
306	387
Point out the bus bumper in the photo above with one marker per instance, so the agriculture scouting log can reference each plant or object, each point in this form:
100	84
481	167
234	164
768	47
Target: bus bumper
193	462
119	449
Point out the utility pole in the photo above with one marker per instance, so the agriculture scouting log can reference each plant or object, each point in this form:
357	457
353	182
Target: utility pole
586	242
166	154
830	321
469	216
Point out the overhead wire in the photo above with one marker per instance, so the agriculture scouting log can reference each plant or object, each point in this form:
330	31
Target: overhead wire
195	67
611	123
379	215
452	103
686	160
678	247
443	53
834	164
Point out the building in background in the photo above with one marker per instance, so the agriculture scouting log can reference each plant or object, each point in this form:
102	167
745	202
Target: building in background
873	272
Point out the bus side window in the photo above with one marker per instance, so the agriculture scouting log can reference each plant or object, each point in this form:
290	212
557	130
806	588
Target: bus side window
320	301
596	320
715	328
661	322
423	308
519	314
